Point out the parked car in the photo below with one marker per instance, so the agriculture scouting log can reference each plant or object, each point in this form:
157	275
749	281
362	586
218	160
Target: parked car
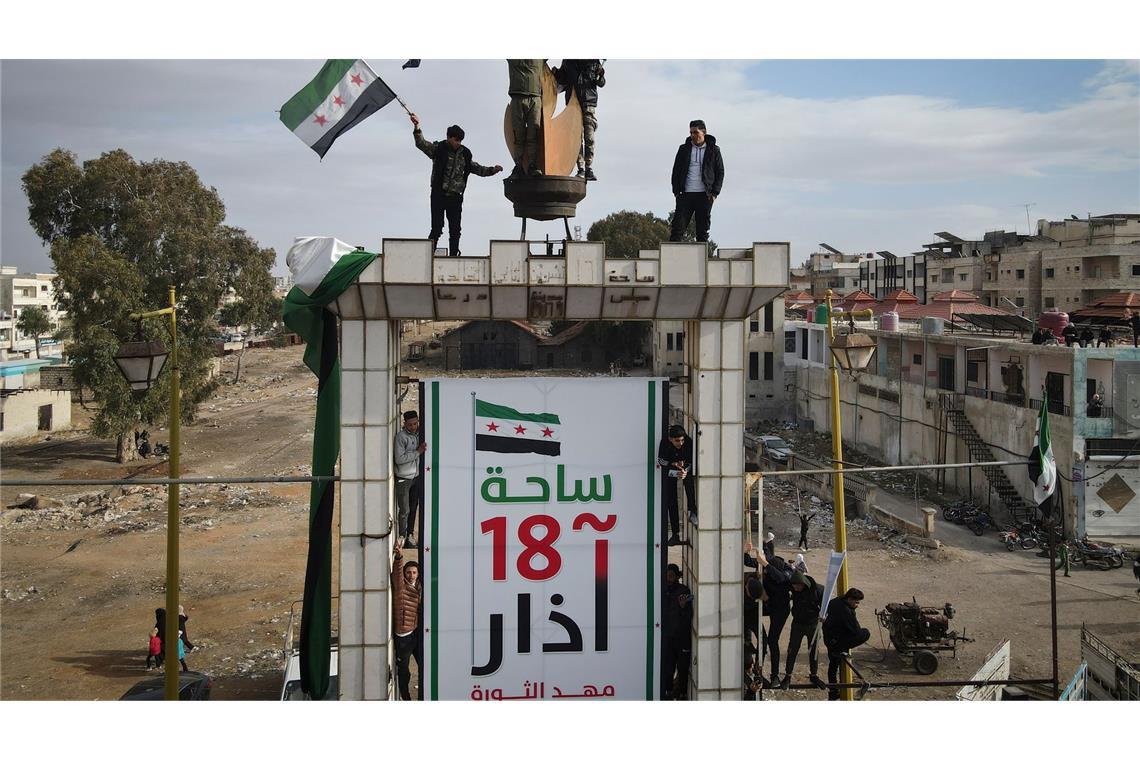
191	686
291	687
774	448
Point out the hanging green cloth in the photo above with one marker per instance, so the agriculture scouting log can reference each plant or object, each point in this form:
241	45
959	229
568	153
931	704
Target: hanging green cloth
307	316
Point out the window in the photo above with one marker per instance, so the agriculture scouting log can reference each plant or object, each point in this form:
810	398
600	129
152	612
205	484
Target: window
1021	274
1050	302
753	365
1049	273
972	372
1019	301
947	274
668	341
789	342
916	359
768	317
1136	270
754	325
934	278
962	276
680	341
1076	268
769	365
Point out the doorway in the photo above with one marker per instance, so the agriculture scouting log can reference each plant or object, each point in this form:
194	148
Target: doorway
45	417
1055	392
946	373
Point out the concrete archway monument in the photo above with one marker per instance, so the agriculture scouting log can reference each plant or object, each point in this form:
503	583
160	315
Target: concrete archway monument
542	551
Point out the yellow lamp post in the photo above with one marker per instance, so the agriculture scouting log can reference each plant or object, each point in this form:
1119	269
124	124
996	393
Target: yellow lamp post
851	352
141	363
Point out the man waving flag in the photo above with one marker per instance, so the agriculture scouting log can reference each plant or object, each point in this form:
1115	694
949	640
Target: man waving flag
1042	465
341	95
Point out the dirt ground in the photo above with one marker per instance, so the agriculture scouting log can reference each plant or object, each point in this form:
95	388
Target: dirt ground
82	575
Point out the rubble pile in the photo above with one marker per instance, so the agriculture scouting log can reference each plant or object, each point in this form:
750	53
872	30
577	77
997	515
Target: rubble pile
133	509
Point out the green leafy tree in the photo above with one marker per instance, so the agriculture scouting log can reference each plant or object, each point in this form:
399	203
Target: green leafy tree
34	321
627	232
121	232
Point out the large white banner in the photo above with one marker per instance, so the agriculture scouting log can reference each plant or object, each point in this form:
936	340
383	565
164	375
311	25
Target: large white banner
542	556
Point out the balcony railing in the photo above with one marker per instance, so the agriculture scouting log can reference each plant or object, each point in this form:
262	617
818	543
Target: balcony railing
1019	400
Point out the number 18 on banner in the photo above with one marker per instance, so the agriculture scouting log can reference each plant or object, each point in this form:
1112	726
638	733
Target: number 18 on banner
542	555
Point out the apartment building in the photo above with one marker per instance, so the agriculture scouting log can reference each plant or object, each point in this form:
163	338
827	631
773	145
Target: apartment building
829	268
19	291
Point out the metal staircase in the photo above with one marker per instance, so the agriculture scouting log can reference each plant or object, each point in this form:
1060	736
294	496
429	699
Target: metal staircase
1015	506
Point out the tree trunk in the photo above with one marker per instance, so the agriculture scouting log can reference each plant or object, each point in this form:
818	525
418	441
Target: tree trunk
241	355
37	339
125	450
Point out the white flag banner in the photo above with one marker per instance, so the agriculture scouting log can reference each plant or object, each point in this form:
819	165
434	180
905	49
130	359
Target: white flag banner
542	540
833	567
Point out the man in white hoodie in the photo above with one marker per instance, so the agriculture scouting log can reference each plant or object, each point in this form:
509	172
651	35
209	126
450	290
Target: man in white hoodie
406	456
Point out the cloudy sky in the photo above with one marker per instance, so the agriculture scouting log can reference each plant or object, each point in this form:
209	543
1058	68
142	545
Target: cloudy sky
862	155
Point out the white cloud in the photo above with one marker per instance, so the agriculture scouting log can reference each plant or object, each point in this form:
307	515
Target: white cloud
845	170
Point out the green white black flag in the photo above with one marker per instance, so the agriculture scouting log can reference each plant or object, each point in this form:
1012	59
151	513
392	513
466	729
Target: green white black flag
1042	465
341	95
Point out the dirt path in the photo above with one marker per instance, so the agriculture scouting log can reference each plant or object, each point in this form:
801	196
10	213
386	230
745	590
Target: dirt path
74	624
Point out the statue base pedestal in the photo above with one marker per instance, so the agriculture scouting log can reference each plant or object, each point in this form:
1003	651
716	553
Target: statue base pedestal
545	198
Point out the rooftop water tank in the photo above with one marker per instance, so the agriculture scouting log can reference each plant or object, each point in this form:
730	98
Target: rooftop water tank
889	321
820	314
932	326
1054	320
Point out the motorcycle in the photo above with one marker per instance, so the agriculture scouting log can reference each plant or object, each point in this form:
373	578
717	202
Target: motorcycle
979	522
1096	555
1013	538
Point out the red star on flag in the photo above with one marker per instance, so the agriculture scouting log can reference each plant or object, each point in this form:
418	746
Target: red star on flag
519	429
492	427
337	101
357	80
320	120
547	432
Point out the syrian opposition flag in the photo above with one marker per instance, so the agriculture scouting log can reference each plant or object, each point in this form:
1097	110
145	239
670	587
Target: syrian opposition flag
509	431
1042	465
341	95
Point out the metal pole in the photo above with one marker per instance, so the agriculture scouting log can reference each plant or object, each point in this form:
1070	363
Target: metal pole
837	481
890	468
172	663
167	481
1053	593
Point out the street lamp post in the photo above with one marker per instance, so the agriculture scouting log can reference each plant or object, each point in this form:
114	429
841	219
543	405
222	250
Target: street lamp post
852	353
141	363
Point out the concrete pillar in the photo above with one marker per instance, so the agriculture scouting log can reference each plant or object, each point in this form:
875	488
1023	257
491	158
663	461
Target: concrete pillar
927	522
368	414
716	400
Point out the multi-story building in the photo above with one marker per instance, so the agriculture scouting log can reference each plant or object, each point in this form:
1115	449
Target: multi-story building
19	291
890	273
933	398
1066	265
829	268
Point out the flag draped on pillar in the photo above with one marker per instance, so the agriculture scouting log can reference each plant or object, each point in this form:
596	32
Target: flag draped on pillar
305	314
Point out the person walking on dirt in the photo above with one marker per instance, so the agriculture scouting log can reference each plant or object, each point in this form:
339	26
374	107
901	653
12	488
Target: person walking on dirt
842	633
807	601
1136	570
154	650
406	594
182	653
805	521
1063	557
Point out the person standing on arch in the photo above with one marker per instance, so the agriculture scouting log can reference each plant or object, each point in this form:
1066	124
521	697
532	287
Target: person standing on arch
451	164
698	174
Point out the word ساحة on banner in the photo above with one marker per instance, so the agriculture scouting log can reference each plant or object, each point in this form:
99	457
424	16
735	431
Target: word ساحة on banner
542	553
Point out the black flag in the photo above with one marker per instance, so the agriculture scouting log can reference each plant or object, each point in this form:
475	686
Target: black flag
413	63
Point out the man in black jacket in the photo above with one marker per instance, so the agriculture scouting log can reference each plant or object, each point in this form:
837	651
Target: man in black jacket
675	458
807	600
451	164
676	636
777	575
585	75
841	633
698	174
